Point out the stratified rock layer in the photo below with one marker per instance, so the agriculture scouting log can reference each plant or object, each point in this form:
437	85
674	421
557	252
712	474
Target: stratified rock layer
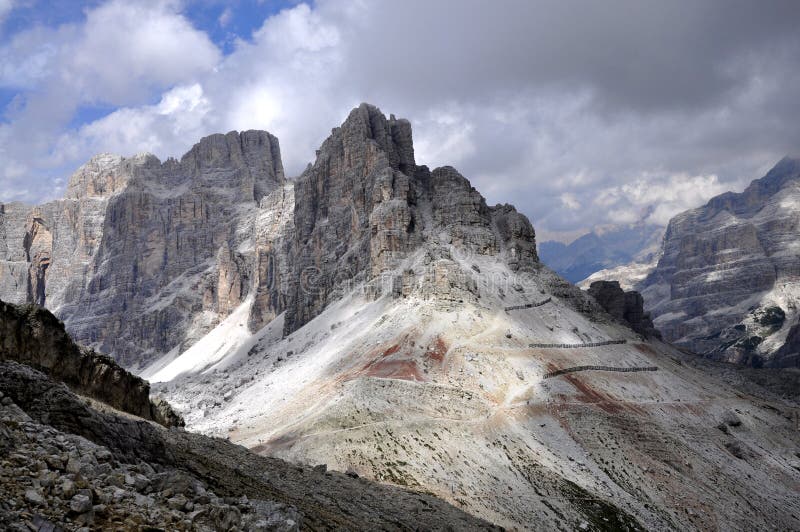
727	285
142	257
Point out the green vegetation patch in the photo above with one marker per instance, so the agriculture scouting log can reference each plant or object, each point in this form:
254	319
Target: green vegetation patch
600	514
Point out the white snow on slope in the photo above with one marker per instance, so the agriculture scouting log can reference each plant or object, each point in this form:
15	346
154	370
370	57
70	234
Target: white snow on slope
225	342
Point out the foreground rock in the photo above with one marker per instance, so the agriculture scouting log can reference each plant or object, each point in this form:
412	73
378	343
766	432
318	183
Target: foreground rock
66	464
33	336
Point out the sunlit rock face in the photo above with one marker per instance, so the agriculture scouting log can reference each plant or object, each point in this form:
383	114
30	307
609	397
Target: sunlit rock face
141	256
727	285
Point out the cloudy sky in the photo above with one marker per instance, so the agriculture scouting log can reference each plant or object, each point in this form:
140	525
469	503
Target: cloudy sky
581	113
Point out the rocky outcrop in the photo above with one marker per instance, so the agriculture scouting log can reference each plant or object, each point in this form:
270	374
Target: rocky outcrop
365	207
353	212
65	463
32	335
627	307
728	283
789	353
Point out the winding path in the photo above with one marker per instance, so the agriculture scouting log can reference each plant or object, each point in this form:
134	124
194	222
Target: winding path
530	305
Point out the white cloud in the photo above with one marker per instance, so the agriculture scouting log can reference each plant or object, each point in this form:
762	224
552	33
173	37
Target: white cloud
129	48
659	198
569	201
179	115
537	104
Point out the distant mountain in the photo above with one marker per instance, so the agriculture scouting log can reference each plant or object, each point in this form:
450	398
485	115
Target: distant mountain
602	249
728	283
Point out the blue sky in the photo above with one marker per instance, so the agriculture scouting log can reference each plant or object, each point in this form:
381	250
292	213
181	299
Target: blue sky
582	114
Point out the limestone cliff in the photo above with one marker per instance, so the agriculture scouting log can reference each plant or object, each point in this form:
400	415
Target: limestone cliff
728	283
365	206
142	258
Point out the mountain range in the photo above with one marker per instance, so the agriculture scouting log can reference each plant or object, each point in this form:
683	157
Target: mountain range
381	319
602	249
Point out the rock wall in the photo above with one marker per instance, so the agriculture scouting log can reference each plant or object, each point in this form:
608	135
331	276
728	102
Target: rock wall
143	258
726	264
353	211
365	206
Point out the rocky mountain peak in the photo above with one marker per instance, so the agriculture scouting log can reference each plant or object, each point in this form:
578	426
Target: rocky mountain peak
255	154
99	177
392	135
748	202
726	285
177	247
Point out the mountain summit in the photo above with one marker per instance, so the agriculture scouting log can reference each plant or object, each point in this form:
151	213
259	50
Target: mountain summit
379	317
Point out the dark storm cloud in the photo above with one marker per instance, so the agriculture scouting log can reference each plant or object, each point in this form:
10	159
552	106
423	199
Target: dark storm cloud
640	55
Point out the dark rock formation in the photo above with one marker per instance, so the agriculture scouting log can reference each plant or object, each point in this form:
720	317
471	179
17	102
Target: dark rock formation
32	335
627	307
789	354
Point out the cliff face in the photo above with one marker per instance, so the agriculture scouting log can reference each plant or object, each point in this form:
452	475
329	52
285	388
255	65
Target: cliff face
365	206
727	285
141	257
627	307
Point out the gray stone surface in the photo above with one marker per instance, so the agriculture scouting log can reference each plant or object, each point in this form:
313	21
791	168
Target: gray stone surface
627	307
142	258
728	265
33	336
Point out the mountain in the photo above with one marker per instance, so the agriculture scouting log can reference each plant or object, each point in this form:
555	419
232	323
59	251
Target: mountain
142	257
70	462
728	283
602	249
380	318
